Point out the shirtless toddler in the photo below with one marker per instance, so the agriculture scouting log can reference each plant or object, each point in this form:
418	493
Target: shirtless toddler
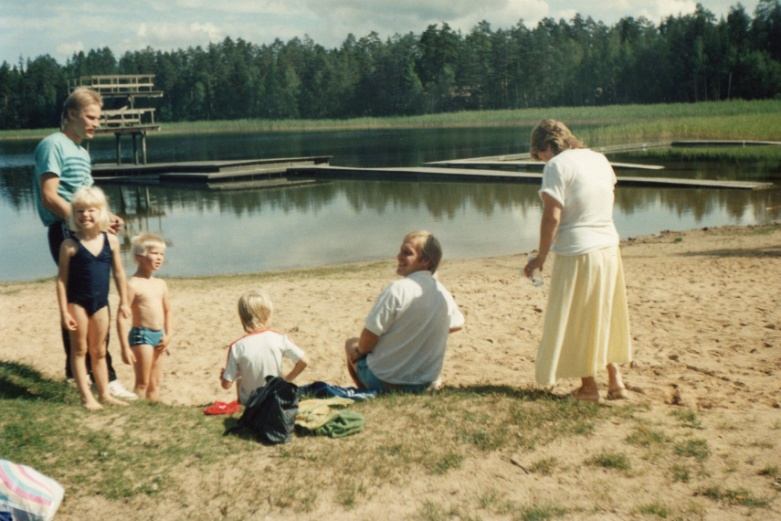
148	339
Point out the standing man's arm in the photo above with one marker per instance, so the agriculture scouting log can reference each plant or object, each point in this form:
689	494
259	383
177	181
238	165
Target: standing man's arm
52	200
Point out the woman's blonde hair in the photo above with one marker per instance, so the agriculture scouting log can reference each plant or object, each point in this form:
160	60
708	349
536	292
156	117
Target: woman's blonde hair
255	310
90	197
554	135
428	246
144	241
79	99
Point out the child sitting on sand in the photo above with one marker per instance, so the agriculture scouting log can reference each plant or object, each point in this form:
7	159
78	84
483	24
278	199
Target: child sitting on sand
85	263
259	353
148	339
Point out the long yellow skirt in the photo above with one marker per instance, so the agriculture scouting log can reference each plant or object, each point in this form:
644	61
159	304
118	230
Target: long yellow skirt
586	320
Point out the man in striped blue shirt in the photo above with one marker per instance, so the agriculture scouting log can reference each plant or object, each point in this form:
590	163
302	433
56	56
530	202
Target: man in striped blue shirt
62	166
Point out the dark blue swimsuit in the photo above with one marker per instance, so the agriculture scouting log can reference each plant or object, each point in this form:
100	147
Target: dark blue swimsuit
88	277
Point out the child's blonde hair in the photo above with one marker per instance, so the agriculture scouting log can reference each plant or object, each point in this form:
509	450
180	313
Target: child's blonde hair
255	310
143	242
90	197
428	246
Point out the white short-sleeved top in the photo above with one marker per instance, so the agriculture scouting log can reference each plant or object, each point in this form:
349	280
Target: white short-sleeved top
413	317
582	181
254	357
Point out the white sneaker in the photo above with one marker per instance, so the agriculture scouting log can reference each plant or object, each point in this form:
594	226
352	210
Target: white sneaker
118	390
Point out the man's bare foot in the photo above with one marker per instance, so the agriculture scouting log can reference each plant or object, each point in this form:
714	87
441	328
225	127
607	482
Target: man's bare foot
92	405
110	400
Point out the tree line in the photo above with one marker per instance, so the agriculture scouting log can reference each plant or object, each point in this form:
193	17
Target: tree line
686	58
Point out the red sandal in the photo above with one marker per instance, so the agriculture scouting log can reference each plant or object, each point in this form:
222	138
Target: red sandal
218	408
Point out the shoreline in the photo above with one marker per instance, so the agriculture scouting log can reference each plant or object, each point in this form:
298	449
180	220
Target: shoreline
697	438
326	269
685	290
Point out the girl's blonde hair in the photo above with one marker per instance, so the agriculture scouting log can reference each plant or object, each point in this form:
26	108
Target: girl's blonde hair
90	197
428	246
144	241
255	310
79	99
554	135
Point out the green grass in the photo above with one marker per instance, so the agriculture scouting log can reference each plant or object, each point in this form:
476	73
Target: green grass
680	473
145	449
722	153
611	460
544	466
654	509
604	125
540	513
739	496
693	448
643	436
687	418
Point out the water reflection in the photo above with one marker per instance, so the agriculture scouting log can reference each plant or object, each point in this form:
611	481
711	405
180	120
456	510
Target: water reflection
395	147
252	230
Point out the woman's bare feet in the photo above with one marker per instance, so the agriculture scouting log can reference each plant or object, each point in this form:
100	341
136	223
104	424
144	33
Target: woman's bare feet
588	390
586	395
616	390
618	393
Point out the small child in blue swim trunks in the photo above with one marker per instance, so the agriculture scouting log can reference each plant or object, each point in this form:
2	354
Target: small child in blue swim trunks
150	336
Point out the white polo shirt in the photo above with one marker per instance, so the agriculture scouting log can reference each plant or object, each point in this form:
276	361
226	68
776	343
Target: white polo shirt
412	317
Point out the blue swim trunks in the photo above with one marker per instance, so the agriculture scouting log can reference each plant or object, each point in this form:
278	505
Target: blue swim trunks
145	336
372	383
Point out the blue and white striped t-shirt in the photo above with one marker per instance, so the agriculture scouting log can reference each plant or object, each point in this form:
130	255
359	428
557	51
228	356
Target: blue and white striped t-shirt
59	155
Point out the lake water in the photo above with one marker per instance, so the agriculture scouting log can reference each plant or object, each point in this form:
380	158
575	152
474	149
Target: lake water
243	231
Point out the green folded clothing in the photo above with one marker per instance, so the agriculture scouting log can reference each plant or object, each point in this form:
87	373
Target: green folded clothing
343	423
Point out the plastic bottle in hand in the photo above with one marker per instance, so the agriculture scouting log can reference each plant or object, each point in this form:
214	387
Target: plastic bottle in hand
536	276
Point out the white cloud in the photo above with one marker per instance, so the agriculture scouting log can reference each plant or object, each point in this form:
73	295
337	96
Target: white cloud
182	34
69	48
260	7
50	27
341	17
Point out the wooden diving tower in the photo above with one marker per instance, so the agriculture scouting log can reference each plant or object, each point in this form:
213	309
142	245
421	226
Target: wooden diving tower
125	117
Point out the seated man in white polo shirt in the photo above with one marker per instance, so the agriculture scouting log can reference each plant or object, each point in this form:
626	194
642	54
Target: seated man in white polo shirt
402	346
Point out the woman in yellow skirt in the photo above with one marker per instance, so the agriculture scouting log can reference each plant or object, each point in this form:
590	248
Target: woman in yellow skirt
586	325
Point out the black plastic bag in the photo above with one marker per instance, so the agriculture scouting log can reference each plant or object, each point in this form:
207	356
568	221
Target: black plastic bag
270	412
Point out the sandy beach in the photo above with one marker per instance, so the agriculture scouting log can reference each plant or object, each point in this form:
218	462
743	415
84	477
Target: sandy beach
705	308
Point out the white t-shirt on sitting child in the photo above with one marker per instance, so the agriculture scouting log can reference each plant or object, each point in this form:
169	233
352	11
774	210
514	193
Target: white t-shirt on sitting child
256	356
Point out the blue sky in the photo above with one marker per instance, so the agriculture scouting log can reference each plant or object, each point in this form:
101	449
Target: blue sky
30	28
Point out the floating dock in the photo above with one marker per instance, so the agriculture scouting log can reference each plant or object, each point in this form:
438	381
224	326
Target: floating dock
532	164
290	171
228	174
474	174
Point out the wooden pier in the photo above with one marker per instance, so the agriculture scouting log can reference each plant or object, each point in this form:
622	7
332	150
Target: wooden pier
288	171
323	172
532	164
225	174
